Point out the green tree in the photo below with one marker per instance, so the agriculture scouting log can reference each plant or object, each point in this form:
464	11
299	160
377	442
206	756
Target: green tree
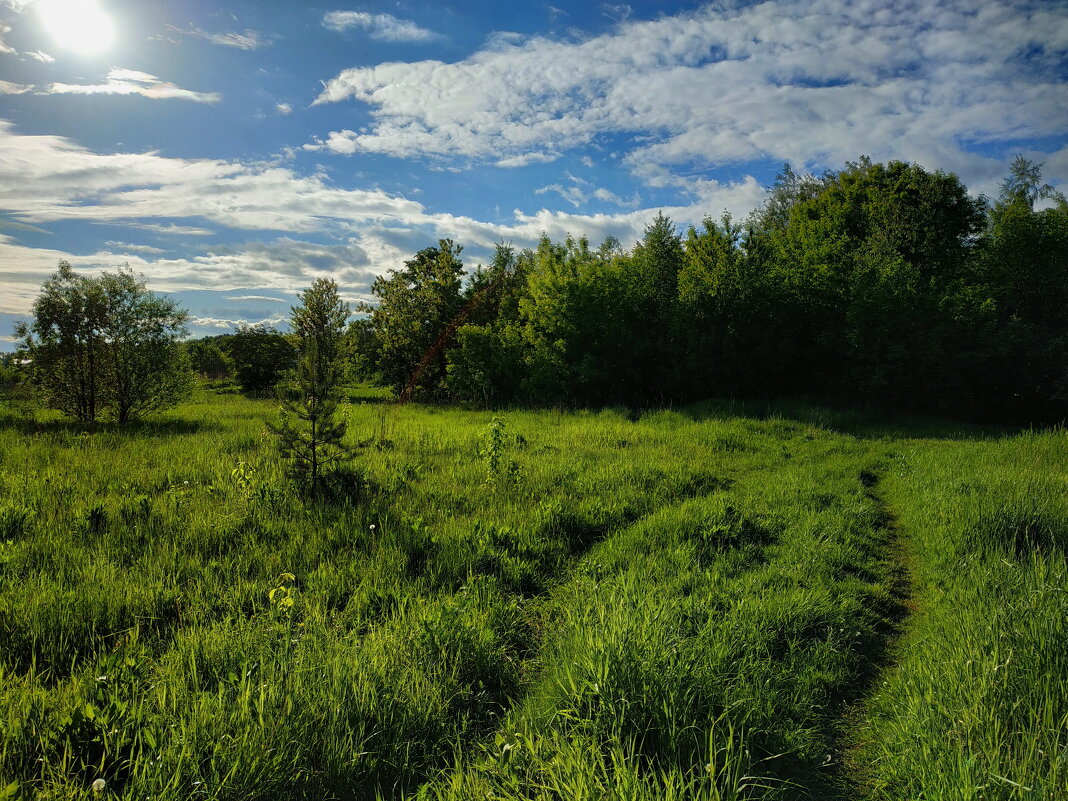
310	435
654	273
485	362
147	368
1025	266
415	320
869	273
261	355
105	346
1024	187
208	358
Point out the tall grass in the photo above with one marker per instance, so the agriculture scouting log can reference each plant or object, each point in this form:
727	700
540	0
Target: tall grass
977	705
550	605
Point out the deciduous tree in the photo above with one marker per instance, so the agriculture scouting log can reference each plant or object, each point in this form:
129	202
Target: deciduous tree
105	346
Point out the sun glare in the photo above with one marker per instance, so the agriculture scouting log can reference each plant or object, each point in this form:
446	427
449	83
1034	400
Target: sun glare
78	25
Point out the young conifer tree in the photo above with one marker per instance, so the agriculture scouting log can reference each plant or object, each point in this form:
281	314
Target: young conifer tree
309	433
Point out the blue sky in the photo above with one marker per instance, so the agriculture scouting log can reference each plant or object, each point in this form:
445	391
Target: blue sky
233	152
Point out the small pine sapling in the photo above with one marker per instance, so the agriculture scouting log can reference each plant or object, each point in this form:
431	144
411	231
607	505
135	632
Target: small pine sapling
310	433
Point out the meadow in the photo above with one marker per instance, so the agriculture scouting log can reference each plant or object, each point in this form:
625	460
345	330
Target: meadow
708	602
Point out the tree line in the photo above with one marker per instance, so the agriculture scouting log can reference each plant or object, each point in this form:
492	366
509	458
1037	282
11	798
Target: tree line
876	283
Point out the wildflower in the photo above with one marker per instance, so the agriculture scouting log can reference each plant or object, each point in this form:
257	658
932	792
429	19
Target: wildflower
98	786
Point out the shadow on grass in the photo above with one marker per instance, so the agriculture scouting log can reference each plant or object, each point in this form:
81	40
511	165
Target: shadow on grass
860	422
150	428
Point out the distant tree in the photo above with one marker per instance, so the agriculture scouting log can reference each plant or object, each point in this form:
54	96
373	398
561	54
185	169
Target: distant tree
105	346
1024	260
309	433
414	321
208	359
11	372
583	325
1024	185
789	189
485	362
261	356
656	263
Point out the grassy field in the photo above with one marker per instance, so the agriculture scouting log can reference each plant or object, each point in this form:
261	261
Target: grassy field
702	603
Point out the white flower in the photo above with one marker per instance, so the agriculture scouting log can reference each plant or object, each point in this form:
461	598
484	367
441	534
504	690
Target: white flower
98	786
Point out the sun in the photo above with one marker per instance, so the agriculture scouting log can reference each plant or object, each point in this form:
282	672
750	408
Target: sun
78	25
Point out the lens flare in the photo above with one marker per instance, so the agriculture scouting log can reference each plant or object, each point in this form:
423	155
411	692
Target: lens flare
78	25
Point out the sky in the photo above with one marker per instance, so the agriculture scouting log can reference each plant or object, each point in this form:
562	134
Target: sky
233	152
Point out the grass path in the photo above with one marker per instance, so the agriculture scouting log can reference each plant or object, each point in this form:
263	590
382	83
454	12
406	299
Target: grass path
898	551
973	703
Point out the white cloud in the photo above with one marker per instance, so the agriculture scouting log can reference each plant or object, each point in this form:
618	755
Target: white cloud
284	264
47	178
813	83
127	247
262	298
620	12
385	27
225	324
611	197
572	194
522	160
9	88
132	82
5	48
283	108
249	40
170	228
41	56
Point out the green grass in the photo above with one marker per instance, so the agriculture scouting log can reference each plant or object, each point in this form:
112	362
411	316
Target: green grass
698	604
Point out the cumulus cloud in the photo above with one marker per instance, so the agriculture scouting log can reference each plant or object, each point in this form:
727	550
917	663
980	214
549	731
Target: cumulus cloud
813	83
49	178
132	82
54	179
384	27
282	264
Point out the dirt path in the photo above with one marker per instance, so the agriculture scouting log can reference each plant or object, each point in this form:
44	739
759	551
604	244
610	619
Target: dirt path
899	612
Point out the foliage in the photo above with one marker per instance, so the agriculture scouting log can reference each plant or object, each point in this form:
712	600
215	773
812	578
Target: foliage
310	432
415	319
878	283
208	358
105	346
261	355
